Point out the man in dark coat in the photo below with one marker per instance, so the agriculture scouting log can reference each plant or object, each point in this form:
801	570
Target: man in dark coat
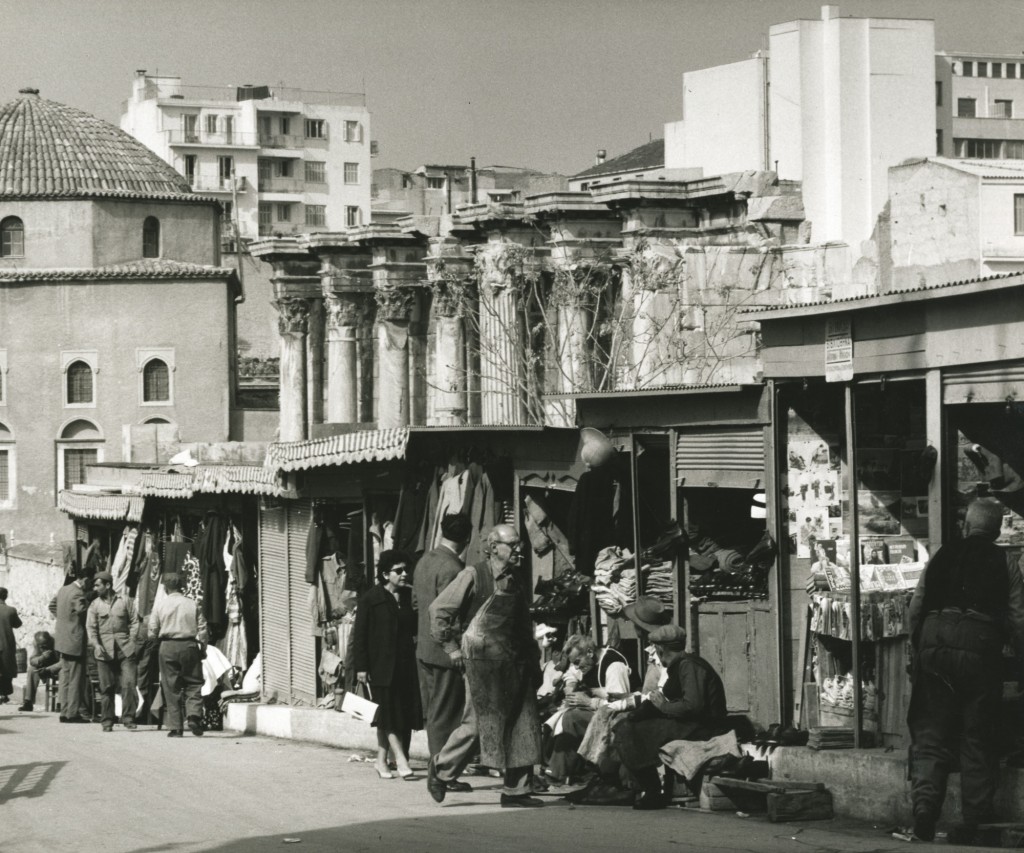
968	603
689	706
71	605
9	620
441	682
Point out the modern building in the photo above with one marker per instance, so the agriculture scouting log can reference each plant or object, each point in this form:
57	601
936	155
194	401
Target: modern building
114	309
283	161
979	106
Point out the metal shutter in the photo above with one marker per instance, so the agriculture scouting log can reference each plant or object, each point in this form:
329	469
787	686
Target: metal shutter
274	608
300	624
1000	384
730	457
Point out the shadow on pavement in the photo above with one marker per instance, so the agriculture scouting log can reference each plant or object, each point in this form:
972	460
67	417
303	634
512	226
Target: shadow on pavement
27	780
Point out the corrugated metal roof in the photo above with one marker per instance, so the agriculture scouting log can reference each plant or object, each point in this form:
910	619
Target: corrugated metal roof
156	268
366	446
651	391
101	506
209	479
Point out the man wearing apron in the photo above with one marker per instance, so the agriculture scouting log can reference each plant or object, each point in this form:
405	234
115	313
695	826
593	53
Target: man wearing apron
482	620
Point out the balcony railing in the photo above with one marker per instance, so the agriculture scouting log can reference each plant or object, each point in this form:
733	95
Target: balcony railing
281	185
283	228
213	183
235	139
280	140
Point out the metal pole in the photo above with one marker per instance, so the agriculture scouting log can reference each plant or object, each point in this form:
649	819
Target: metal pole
851	490
775	524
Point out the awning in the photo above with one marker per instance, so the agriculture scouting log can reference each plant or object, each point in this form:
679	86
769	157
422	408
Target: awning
101	506
209	479
375	445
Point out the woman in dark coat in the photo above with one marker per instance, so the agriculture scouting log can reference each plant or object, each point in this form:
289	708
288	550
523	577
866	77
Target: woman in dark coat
8	647
384	654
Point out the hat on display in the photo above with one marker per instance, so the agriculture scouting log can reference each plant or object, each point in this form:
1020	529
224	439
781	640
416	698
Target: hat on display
597	448
647	612
671	636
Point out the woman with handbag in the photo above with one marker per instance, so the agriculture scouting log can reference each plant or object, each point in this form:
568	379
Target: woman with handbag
384	655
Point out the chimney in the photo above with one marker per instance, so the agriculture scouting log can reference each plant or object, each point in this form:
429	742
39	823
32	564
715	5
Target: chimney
140	72
602	155
472	180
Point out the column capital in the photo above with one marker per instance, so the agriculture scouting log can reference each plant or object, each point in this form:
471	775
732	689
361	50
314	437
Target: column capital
343	310
292	316
451	295
394	302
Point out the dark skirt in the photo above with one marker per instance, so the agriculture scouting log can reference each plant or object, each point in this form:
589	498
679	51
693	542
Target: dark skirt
401	708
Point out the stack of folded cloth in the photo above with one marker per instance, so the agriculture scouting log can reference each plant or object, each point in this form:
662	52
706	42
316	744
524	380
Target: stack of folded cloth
830	737
658	580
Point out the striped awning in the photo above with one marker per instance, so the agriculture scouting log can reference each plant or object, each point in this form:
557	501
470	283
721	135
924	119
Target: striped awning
101	506
209	479
367	446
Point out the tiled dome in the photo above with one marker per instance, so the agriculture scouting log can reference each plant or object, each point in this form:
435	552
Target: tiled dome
49	150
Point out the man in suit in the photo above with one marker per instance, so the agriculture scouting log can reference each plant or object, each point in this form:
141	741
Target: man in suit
441	682
112	624
70	608
9	620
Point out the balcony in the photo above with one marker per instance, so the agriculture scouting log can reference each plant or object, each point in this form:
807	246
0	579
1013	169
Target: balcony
215	184
281	185
280	140
281	229
234	139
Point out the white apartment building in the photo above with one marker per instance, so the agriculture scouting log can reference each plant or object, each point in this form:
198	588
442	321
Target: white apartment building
979	106
284	161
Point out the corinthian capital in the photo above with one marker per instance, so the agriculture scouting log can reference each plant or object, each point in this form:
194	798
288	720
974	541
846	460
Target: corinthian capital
394	302
292	316
450	296
343	311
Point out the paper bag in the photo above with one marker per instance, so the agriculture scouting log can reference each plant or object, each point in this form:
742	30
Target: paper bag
361	709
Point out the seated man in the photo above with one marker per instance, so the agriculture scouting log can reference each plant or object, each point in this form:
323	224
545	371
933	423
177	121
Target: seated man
603	678
689	706
43	665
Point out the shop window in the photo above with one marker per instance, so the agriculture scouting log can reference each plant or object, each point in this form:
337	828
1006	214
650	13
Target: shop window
79	384
151	237
12	238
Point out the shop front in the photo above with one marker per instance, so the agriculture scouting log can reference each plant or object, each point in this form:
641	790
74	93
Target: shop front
890	414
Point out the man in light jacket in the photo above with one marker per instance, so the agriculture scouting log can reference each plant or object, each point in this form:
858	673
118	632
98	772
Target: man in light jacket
112	625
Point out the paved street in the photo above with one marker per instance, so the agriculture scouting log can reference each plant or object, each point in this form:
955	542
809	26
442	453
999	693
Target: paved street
74	788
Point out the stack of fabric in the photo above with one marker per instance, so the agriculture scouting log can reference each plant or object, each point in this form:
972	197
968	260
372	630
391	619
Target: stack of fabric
658	579
614	579
830	737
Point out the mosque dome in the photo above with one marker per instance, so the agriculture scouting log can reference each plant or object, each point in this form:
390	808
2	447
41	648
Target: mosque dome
49	150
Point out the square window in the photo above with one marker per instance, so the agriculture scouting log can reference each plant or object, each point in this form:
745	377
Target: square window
353	131
997	69
316	128
351	173
983	69
353	217
1011	70
966	107
968	69
1003	109
435	183
316	172
316	215
284	213
76	460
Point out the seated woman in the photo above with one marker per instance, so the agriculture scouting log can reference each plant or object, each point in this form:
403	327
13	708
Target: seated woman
601	677
384	657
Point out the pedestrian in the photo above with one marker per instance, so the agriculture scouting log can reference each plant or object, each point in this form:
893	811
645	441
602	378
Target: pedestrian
179	626
70	607
501	660
384	655
44	665
112	625
441	682
968	603
9	620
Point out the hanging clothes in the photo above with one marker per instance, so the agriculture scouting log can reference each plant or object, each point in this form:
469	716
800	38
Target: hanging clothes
209	549
483	514
412	501
241	566
424	540
149	577
123	559
450	499
314	546
234	644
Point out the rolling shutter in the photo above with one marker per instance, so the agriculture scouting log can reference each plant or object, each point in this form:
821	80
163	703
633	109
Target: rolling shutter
273	576
729	457
1002	384
303	644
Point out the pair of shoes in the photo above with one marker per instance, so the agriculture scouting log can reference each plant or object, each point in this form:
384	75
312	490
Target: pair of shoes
650	800
174	733
74	720
108	728
520	801
384	774
437	787
130	724
539	785
25	706
457	787
924	826
195	726
409	777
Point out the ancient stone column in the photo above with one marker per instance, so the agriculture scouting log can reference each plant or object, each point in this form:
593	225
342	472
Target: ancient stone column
315	363
502	363
292	325
394	308
344	313
450	404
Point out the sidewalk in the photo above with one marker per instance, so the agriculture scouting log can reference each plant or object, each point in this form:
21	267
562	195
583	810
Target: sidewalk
866	784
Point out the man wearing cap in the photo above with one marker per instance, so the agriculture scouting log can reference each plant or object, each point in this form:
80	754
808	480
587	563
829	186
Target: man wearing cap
502	665
968	603
179	625
112	626
441	681
69	607
689	706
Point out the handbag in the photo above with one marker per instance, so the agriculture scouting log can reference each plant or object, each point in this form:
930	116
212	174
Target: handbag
363	709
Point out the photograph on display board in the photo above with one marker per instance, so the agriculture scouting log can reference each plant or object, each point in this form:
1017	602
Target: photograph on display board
878	512
813	492
872	552
813	525
901	550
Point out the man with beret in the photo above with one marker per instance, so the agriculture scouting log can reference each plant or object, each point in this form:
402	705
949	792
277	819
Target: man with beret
112	625
968	603
690	705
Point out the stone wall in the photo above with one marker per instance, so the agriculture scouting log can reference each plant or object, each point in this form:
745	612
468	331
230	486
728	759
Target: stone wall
32	575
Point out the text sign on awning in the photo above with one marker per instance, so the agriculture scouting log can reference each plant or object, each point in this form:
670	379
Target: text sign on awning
838	350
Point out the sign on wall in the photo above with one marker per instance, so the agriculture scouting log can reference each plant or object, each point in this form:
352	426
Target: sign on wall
838	350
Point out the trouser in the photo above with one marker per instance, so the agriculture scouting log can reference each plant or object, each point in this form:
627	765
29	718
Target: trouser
961	703
443	691
461	747
107	671
71	688
181	677
32	679
148	674
564	760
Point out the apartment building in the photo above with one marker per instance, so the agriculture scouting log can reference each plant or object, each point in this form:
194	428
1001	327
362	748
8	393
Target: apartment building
282	160
979	106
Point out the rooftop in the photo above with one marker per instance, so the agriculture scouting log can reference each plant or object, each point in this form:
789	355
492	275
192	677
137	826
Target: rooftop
158	268
651	155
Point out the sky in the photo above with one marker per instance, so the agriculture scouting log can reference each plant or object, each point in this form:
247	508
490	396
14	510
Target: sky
535	83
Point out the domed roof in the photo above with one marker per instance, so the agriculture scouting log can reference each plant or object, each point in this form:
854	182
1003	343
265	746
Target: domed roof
49	150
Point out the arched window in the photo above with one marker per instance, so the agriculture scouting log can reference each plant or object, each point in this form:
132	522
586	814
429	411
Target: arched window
12	238
79	445
151	237
7	468
156	382
79	383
